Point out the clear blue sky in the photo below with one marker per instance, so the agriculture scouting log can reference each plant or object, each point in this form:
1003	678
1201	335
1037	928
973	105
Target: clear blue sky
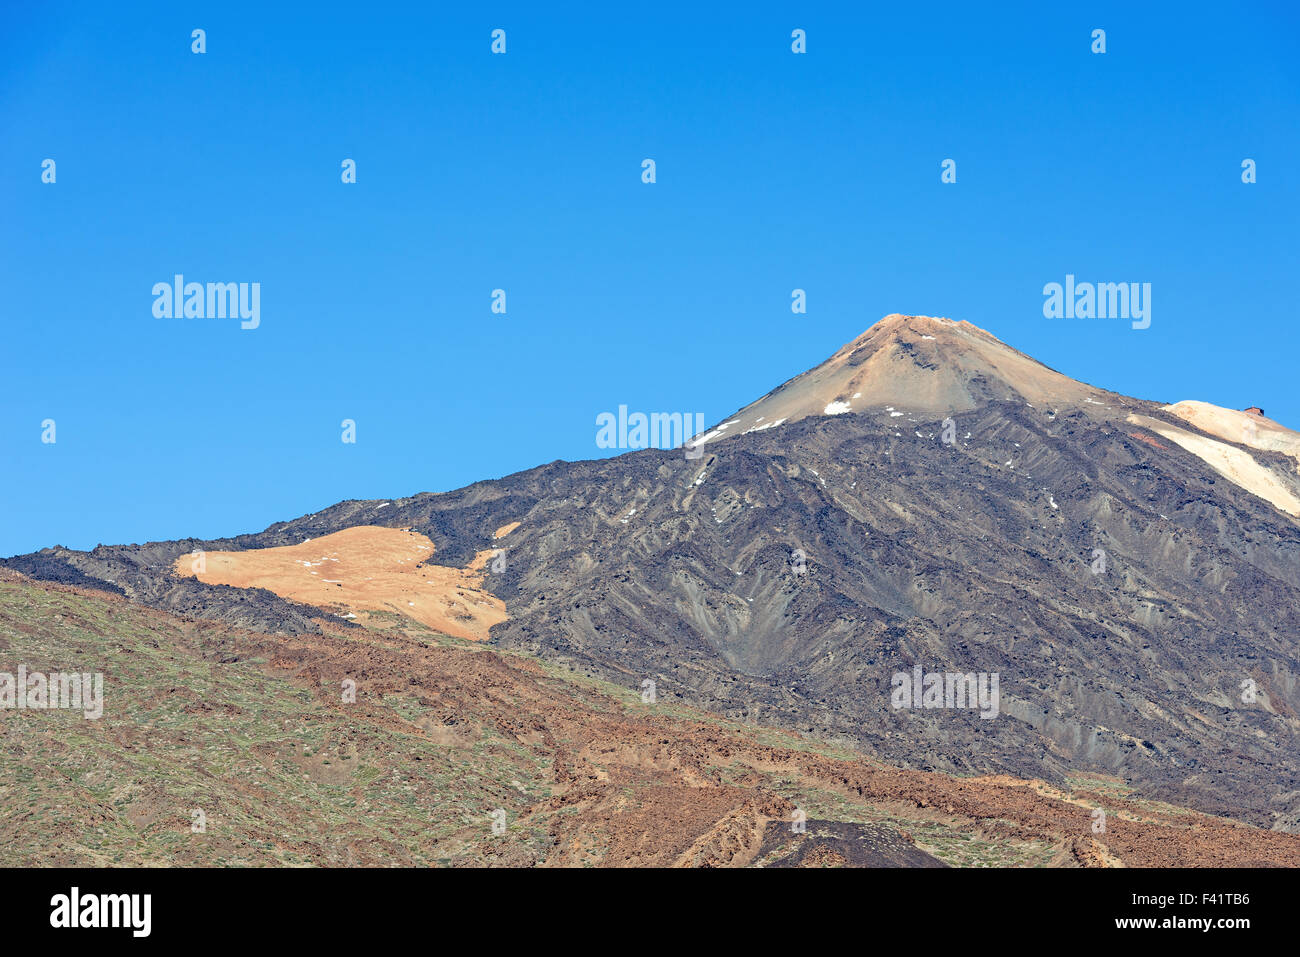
523	172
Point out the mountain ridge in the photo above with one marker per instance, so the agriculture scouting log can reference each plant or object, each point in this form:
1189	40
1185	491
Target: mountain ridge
979	554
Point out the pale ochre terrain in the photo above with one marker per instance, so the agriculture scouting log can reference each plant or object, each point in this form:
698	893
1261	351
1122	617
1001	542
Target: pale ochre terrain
1245	428
365	568
1229	460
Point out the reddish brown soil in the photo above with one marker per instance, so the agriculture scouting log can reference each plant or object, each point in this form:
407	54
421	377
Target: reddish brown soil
1142	437
647	789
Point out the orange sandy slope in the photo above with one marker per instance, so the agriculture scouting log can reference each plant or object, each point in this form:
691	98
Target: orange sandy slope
364	568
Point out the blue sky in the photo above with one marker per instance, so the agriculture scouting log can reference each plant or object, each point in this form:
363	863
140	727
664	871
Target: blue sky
523	172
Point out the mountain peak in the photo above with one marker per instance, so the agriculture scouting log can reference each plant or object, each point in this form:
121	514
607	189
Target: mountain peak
912	327
913	363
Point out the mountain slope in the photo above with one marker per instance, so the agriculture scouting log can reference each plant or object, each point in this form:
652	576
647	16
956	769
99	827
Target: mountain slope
249	731
1129	598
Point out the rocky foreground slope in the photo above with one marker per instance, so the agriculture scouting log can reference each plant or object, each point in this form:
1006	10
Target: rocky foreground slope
223	746
981	514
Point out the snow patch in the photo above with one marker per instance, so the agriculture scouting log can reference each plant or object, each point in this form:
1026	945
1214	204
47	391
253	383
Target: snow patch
765	425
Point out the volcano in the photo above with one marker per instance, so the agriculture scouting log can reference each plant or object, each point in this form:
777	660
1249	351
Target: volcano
917	364
928	497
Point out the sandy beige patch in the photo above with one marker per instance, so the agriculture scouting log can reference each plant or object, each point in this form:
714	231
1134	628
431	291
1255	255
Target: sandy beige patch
365	568
505	530
1244	428
1234	464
